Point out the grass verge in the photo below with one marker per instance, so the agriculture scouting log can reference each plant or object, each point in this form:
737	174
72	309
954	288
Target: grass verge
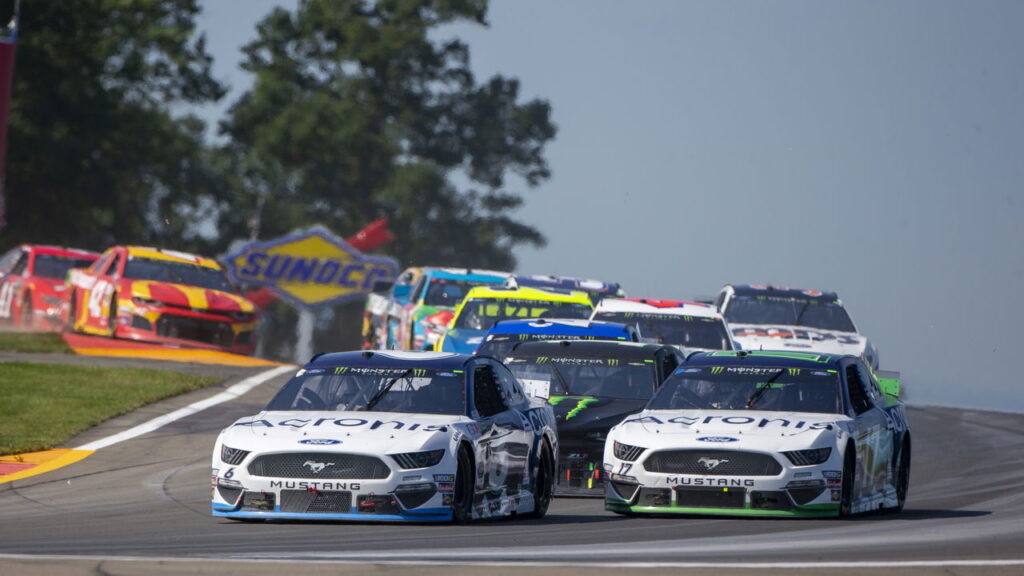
33	342
46	404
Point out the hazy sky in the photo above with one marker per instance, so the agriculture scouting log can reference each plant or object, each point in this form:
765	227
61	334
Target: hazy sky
871	148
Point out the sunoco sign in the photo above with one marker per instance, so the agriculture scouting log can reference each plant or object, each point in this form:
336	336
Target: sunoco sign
310	268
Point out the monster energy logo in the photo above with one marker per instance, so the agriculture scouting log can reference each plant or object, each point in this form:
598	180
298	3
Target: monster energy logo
419	372
523	336
793	371
717	369
581	403
542	359
613	362
688	318
341	370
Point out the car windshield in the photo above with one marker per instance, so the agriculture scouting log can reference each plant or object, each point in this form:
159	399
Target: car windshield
499	345
787	311
447	292
599	377
53	266
409	390
482	313
177	273
750	388
686	331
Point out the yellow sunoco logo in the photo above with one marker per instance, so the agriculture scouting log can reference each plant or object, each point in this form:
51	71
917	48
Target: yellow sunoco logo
310	268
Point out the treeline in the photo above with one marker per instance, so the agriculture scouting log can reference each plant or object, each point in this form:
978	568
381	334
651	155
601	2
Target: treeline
357	111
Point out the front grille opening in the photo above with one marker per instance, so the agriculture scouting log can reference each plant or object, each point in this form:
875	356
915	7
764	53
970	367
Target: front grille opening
657	497
316	501
624	491
230	495
712	463
207	331
259	501
377	504
804	495
711	497
319	465
140	323
770	500
415	496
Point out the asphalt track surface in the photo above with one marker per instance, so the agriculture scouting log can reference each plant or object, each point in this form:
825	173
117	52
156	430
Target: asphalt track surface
142	506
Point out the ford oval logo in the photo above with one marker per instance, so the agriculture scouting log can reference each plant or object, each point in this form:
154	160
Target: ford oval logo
717	439
320	441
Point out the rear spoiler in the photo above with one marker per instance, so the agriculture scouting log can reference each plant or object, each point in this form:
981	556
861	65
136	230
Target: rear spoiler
889	381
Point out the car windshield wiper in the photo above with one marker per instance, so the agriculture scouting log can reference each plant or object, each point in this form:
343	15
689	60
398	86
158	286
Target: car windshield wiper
800	315
760	391
380	393
558	375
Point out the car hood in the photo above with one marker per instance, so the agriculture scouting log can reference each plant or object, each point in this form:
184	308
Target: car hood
587	413
333	430
797	339
193	297
729	425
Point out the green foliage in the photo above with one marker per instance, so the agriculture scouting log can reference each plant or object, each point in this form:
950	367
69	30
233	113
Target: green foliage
33	342
46	404
356	113
94	155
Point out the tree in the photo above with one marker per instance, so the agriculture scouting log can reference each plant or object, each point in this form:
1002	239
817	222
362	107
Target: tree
95	155
357	113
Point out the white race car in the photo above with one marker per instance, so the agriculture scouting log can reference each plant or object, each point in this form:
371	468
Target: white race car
383	435
763	434
690	326
764	317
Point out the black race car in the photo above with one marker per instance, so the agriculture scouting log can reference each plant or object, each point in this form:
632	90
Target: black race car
592	385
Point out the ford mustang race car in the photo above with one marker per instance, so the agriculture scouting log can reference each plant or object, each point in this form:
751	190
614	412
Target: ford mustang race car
161	296
484	306
32	284
763	434
593	385
507	333
692	326
778	318
390	435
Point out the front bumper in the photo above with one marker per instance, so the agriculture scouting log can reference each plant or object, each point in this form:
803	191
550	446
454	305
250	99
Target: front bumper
795	491
186	327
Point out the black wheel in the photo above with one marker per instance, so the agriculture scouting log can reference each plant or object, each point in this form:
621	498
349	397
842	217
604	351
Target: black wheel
26	311
849	469
462	500
69	326
543	482
112	320
902	477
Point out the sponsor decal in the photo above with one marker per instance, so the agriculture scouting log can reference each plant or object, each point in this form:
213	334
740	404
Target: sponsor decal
735	420
581	404
446	487
717	439
345	423
447	374
310	268
307	485
320	441
837	495
444	477
446	500
727	482
832	474
711	463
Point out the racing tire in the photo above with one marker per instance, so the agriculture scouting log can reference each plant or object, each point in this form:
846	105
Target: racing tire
112	320
543	482
902	477
26	311
462	499
849	469
69	324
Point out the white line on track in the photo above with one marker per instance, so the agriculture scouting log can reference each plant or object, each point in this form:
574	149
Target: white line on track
284	558
230	394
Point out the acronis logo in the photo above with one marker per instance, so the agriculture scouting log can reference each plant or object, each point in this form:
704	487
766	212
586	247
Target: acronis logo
310	268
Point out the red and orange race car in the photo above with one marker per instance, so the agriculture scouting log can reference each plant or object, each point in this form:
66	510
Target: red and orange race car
162	296
32	285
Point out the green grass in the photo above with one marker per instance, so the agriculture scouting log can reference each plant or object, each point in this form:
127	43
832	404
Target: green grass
37	342
43	405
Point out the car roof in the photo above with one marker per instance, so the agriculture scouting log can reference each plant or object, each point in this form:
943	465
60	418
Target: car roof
783	292
391	359
171	256
766	358
61	251
466	274
568	282
561	326
653	306
588	348
499	292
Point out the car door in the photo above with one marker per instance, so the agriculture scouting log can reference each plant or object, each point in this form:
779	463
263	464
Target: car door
872	433
98	297
503	450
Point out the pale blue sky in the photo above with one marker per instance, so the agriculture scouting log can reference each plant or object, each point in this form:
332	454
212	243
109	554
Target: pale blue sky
871	148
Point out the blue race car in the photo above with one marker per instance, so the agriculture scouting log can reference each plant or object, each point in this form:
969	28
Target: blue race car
507	333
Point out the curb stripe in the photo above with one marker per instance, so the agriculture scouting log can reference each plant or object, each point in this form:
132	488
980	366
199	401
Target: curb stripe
68	457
